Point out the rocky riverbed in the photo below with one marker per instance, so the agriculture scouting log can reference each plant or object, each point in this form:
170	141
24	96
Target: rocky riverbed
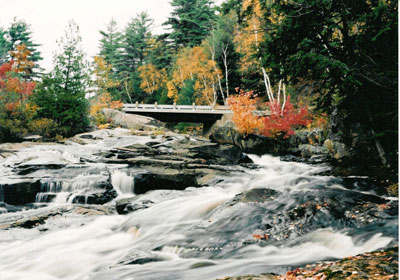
152	204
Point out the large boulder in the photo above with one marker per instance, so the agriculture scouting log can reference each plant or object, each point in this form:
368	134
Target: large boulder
258	195
127	205
158	181
95	197
19	192
132	121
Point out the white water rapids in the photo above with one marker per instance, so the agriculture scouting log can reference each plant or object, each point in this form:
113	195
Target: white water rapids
188	234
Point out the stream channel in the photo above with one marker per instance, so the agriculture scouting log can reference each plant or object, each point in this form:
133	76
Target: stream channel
267	216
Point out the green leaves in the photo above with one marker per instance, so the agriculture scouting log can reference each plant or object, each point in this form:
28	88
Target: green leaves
190	23
61	94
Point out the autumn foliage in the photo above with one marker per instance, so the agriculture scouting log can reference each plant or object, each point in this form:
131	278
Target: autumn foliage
281	121
16	111
101	102
242	106
194	65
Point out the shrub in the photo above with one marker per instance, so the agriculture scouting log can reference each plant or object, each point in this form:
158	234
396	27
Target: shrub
242	106
284	118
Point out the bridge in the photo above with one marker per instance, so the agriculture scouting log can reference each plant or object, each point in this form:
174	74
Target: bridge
207	115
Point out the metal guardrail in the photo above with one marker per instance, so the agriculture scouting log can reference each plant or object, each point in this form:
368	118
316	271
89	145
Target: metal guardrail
171	108
174	107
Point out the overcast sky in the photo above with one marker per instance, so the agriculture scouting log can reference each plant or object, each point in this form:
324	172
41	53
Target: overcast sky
49	18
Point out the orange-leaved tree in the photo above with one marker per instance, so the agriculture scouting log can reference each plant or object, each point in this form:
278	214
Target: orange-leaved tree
243	105
21	62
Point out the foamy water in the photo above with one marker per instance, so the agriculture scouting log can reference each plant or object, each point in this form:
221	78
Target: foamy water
190	234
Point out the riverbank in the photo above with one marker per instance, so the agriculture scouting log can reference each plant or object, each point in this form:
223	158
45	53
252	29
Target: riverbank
314	146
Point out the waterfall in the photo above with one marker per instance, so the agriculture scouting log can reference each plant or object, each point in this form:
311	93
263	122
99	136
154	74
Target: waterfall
122	182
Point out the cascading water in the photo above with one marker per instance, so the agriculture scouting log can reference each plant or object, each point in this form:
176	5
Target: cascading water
197	233
122	182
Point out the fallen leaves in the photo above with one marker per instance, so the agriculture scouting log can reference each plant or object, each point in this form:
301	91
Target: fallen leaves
379	265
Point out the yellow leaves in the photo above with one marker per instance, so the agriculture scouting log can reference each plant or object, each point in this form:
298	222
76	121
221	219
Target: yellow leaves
196	65
276	18
20	57
102	72
103	126
249	37
104	101
172	91
152	78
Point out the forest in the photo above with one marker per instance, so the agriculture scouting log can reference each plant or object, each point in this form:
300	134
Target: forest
323	63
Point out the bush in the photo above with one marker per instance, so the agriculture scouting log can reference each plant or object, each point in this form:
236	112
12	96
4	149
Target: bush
242	106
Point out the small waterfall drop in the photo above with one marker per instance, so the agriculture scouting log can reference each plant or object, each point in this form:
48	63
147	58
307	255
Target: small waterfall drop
122	182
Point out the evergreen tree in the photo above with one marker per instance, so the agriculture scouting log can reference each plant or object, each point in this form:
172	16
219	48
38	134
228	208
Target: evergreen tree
350	51
190	23
61	94
4	47
19	33
133	53
110	43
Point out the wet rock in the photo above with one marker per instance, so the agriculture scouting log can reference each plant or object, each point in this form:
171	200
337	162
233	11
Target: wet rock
31	220
152	181
259	195
332	209
25	168
7	208
128	205
298	144
95	198
308	151
338	150
251	143
20	192
139	257
220	154
362	184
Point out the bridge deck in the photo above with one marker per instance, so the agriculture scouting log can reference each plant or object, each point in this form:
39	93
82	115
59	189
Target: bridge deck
166	108
181	109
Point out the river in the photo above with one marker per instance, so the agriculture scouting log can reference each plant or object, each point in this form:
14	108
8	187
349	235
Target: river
201	232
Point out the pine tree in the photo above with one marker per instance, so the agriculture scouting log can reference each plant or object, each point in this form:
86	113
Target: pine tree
61	94
348	50
190	22
110	43
133	53
4	47
19	33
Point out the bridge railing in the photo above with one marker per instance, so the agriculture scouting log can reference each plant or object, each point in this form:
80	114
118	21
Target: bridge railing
174	107
201	109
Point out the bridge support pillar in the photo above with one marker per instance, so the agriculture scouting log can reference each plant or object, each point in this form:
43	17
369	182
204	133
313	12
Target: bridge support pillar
207	125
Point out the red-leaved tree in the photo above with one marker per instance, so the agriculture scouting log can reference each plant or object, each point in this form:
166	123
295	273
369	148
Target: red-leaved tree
283	119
